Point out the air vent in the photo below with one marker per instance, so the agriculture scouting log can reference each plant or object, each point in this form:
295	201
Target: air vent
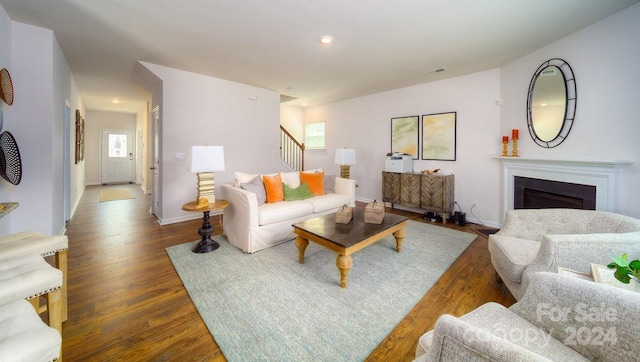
437	70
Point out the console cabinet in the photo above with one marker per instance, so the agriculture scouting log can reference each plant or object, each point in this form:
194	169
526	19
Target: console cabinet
429	192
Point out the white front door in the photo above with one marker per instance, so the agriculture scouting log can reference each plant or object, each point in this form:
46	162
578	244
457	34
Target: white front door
117	156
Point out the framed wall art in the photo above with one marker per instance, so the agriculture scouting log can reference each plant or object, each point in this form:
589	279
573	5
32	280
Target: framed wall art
82	139
78	137
439	136
404	135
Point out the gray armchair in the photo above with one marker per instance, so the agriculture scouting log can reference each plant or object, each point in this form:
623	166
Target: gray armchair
559	318
531	241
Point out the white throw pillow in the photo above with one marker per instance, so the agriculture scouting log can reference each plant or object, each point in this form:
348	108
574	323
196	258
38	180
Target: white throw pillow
242	177
315	170
292	179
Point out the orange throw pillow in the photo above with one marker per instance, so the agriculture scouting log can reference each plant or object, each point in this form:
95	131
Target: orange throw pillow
273	188
315	181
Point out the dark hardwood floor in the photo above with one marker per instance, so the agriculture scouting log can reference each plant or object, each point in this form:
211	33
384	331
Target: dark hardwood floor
127	303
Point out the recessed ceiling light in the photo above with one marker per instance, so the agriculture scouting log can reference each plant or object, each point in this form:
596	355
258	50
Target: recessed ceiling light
115	100
326	39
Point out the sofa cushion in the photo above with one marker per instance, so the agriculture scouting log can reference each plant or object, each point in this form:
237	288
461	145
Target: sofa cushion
281	211
329	183
512	255
301	192
315	170
291	179
315	181
257	188
273	188
243	177
326	202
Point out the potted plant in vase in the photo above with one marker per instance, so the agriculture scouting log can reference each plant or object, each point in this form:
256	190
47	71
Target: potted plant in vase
625	269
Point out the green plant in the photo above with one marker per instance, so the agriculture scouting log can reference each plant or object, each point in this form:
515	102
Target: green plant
625	269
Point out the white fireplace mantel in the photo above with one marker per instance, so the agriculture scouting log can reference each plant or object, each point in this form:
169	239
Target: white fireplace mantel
604	175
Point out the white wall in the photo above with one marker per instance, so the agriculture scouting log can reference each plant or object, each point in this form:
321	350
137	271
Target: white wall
292	119
95	122
150	83
6	189
200	110
365	124
42	83
77	178
605	58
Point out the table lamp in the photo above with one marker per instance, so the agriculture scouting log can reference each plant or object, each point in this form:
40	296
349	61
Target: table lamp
205	160
345	157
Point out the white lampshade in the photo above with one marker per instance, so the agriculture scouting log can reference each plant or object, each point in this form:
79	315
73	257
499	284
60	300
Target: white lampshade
207	158
345	156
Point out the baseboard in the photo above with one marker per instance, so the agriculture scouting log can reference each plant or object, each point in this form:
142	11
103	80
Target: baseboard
191	216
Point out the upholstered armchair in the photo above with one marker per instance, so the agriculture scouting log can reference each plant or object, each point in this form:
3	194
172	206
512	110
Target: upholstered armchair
545	239
559	318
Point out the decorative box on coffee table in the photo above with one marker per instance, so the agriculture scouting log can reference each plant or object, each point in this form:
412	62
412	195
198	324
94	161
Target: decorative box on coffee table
374	212
344	214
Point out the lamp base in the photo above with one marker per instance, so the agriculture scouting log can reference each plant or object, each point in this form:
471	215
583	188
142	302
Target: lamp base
206	186
206	244
344	171
206	247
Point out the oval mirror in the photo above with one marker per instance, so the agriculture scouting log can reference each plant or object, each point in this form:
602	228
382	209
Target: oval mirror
551	103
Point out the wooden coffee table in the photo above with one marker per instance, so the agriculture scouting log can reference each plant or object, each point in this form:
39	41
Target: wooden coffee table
346	239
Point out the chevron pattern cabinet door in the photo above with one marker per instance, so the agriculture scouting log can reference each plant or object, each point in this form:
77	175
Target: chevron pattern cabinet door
437	193
391	187
428	192
410	189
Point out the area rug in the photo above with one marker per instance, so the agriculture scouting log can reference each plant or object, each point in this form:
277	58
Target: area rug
115	194
268	307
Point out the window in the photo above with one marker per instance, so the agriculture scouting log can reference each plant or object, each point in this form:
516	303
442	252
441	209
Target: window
117	145
314	134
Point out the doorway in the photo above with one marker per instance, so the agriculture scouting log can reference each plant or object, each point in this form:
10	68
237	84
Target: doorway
155	161
117	161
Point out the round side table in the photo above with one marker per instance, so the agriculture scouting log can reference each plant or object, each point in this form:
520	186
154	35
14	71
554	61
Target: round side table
206	244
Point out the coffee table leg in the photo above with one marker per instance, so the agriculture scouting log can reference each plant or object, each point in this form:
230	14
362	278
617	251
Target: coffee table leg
399	235
344	263
301	243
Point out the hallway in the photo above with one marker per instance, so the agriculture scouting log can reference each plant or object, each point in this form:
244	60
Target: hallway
126	301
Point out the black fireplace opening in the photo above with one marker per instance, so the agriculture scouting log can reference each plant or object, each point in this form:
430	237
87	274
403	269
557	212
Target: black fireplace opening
532	193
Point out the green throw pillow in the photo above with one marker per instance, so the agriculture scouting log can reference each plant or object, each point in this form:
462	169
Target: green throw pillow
299	193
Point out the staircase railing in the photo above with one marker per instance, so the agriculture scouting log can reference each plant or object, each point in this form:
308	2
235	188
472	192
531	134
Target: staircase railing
291	151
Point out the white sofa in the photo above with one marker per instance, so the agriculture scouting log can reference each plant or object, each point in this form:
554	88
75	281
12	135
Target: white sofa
252	227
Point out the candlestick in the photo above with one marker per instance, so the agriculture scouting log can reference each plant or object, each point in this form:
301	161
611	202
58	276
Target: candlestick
514	134
505	140
514	150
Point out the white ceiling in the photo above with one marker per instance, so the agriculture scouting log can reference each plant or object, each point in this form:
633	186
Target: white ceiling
379	44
